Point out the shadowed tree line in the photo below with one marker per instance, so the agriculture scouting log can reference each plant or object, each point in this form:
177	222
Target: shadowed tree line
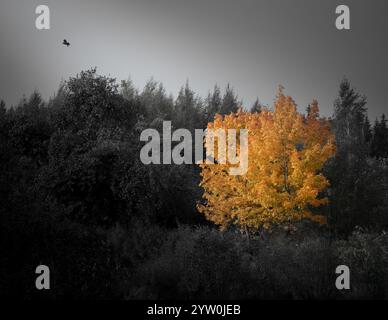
76	197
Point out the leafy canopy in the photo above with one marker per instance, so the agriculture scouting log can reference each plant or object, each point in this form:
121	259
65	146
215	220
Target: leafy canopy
287	151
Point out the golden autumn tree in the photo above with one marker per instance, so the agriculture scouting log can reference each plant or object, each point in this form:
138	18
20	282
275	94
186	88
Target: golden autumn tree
287	151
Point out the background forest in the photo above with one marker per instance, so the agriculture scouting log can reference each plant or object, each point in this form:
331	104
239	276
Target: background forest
76	197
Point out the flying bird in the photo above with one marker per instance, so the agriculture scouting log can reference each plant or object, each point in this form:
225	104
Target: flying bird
65	42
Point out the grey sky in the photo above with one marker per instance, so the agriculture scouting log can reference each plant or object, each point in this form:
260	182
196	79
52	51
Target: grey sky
254	45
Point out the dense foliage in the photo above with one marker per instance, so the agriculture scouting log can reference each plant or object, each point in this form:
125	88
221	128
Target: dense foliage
287	152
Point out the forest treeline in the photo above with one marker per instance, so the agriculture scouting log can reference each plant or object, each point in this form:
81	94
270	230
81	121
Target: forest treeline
76	197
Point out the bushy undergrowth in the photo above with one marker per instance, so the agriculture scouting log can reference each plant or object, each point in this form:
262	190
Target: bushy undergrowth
145	261
204	263
79	258
366	254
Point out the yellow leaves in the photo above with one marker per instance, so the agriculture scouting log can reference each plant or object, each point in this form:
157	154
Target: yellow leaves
317	218
286	154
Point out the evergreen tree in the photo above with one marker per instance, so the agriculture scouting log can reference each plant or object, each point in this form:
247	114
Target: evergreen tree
213	104
349	117
128	90
155	103
379	147
3	110
230	103
256	107
187	109
367	130
354	185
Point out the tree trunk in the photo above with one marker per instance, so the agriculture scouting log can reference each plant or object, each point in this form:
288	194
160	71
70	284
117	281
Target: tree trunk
247	233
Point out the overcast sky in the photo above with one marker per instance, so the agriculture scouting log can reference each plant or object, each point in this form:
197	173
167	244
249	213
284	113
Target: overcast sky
254	45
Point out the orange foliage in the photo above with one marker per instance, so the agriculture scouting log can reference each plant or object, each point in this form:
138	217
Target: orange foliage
287	151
